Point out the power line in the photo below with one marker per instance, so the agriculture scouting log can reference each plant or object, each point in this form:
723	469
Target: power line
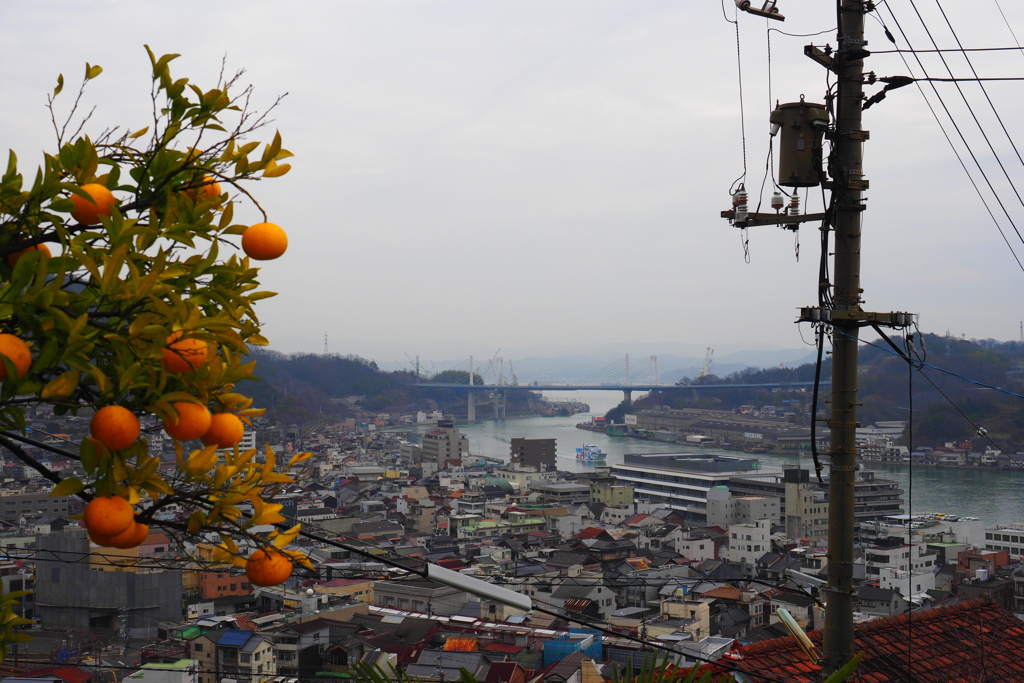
949	140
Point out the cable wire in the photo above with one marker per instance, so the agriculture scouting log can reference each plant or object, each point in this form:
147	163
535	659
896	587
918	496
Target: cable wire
945	133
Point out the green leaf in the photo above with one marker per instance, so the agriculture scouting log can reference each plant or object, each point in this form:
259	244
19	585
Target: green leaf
847	670
139	133
67	487
92	72
60	84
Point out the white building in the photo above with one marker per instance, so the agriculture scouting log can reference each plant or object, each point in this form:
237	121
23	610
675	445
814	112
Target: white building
748	542
725	508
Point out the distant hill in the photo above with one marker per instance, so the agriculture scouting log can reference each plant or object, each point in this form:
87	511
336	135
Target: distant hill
299	388
955	384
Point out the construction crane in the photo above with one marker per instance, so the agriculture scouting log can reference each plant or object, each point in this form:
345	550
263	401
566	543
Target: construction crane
705	369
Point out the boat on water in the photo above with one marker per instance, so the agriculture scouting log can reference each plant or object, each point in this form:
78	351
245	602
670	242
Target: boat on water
590	453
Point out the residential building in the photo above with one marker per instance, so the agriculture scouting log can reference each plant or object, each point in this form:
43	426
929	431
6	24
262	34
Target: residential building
444	443
423	596
748	542
243	656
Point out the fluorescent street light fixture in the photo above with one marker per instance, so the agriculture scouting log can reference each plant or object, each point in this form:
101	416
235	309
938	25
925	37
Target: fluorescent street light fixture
478	587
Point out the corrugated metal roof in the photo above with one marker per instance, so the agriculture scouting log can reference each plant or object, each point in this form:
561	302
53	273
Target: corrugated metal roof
234	637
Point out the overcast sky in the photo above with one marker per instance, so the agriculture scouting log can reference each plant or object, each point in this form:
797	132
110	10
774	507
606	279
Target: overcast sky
545	176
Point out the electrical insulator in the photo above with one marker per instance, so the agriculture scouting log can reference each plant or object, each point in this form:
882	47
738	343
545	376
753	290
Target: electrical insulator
777	202
794	204
739	204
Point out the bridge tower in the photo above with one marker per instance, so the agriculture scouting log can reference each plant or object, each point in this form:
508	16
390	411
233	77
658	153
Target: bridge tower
471	396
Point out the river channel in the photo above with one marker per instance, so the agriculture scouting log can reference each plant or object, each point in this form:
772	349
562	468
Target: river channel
997	497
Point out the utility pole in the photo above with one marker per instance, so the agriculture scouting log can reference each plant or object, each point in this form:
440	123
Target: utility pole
802	124
848	185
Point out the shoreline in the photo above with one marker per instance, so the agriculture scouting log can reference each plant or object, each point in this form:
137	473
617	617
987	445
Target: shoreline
697	448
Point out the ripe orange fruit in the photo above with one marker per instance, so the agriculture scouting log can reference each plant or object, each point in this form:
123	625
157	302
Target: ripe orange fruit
184	354
108	516
264	241
208	190
17	352
12	259
115	427
91	213
268	567
226	430
129	538
192	422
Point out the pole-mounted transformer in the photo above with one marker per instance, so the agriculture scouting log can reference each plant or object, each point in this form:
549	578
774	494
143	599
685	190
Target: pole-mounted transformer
803	127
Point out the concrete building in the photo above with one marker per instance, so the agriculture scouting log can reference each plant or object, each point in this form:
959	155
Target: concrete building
15	506
536	454
681	480
444	443
748	542
561	492
74	596
724	508
806	507
417	595
874	498
612	493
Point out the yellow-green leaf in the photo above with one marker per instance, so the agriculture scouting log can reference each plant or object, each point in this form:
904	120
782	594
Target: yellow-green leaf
299	457
277	171
67	487
196	521
139	133
62	386
92	71
60	84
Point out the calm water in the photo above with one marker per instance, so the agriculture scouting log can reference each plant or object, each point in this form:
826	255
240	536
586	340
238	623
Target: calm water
993	496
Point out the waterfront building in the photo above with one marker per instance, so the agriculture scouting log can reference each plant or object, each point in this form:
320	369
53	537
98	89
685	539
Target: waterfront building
537	454
1009	538
681	481
874	497
723	426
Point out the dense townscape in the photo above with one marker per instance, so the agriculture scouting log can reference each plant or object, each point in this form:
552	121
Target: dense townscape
705	555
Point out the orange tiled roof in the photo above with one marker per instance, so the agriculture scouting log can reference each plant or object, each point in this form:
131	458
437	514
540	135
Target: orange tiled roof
590	532
724	592
967	641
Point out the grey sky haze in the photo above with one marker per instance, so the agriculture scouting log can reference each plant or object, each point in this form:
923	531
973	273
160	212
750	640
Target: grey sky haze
546	175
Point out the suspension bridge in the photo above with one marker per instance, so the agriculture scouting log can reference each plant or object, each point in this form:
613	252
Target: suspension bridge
620	375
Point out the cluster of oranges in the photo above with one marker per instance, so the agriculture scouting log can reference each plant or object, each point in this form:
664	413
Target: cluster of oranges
111	523
110	520
261	241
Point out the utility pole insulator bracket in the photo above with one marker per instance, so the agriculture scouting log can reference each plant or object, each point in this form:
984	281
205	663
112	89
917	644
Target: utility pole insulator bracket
817	314
781	219
820	56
